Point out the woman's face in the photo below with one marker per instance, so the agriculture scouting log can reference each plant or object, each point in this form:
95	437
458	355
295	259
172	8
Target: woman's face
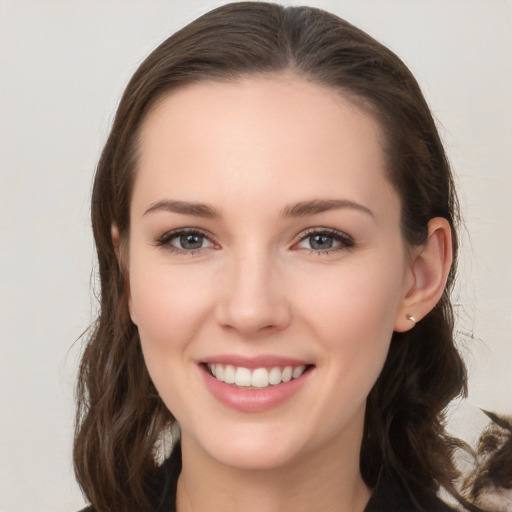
265	247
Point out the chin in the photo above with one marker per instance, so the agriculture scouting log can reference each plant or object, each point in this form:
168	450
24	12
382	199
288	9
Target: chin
253	449
255	458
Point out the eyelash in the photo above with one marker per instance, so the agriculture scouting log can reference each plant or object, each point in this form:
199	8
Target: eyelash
345	241
166	238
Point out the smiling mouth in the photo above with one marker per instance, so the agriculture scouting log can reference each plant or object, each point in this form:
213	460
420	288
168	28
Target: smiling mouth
256	378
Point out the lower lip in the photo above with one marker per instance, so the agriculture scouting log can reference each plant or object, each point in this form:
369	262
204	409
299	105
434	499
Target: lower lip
253	400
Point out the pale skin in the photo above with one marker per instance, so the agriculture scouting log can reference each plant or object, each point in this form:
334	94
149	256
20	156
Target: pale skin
297	252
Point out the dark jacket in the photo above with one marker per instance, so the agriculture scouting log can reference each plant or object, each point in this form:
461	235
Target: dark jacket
388	496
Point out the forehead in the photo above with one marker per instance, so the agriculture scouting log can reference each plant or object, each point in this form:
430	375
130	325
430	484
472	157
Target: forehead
260	134
278	101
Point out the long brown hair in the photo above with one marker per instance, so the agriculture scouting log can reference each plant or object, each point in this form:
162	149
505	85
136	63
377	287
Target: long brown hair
120	414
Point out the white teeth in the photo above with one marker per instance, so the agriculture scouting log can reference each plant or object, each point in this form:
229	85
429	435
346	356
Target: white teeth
297	372
243	376
258	378
229	374
274	377
287	374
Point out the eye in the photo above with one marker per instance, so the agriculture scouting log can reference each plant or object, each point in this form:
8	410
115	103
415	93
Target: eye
185	241
325	240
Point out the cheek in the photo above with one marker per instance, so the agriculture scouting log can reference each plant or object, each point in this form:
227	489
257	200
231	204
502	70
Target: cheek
168	303
353	315
356	300
170	306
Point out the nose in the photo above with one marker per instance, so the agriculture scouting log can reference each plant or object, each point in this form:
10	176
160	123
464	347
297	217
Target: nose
253	296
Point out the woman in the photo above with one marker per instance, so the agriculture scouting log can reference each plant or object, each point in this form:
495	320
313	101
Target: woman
274	216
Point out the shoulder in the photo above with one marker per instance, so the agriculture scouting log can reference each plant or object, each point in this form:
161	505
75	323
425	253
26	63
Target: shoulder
161	485
164	481
391	495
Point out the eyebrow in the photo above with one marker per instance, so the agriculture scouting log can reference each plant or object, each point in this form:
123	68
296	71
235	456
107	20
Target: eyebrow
301	209
315	206
185	208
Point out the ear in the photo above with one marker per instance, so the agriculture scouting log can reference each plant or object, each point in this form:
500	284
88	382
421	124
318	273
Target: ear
116	241
429	267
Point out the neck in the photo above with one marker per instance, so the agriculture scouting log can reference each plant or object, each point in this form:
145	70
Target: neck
314	481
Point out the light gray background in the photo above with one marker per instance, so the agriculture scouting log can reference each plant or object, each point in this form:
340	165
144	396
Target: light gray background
63	66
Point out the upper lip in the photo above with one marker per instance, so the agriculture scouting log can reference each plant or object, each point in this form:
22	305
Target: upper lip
261	361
